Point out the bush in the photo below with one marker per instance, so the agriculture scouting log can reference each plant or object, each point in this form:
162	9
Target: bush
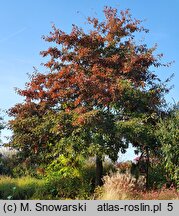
168	136
67	188
71	178
66	178
157	176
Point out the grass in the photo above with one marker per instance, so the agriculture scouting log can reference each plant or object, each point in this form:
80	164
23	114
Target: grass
119	187
19	188
116	187
125	187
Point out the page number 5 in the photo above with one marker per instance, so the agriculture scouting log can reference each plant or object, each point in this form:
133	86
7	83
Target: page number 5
170	207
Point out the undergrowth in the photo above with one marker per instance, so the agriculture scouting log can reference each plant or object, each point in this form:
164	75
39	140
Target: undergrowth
116	186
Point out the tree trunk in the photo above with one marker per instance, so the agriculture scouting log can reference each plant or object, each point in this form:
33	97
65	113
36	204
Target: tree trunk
99	171
147	168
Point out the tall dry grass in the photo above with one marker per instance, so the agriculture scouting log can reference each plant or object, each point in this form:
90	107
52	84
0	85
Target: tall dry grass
119	187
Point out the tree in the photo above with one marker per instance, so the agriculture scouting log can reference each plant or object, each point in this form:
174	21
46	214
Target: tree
168	135
95	80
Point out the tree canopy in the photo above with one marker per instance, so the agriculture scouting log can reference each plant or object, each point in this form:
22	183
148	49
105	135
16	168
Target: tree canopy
98	83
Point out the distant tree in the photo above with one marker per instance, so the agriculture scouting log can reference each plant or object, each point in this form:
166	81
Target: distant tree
95	82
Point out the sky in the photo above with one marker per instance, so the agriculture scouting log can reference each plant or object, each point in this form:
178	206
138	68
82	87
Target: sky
23	23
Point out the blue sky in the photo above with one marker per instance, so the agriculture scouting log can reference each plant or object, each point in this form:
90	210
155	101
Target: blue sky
22	24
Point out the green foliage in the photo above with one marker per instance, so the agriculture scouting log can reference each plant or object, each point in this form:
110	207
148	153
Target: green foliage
168	135
157	176
22	170
65	178
140	132
32	138
73	177
64	167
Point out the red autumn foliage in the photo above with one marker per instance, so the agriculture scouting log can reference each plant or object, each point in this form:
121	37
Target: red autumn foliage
86	68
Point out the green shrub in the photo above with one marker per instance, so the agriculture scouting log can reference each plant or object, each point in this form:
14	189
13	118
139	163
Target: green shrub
168	136
70	178
157	176
66	180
